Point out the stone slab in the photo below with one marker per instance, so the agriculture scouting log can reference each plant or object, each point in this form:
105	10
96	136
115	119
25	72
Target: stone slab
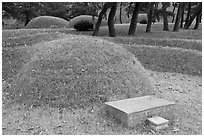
134	111
157	120
157	123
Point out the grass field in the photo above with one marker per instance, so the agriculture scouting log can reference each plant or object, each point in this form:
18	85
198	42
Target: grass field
173	60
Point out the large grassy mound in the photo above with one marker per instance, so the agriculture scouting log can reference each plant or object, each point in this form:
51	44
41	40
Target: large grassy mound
47	22
85	18
78	71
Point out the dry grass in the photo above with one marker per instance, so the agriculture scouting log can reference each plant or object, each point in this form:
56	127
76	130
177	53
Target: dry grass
166	59
74	72
185	89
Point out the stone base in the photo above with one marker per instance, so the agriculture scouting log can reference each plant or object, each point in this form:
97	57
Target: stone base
157	123
134	111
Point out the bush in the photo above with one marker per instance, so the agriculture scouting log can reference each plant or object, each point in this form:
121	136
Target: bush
79	71
83	26
47	22
142	18
84	18
143	22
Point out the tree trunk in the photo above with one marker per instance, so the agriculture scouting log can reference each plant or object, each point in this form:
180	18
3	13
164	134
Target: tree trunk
173	11
133	23
198	10
98	23
151	12
27	16
182	15
165	20
198	20
178	17
111	16
120	16
188	14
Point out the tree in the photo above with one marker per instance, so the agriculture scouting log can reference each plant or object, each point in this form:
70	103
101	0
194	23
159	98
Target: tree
182	15
133	23
111	21
165	20
120	15
150	16
198	18
57	9
178	17
23	11
98	23
175	4
188	14
198	10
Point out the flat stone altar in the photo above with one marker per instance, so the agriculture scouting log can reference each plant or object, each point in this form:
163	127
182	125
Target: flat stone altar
134	111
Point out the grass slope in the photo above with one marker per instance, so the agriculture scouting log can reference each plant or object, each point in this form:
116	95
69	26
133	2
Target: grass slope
78	72
166	59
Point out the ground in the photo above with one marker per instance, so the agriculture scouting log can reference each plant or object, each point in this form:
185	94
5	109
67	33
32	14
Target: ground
175	81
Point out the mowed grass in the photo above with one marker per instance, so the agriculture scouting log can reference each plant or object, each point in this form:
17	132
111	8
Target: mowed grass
161	56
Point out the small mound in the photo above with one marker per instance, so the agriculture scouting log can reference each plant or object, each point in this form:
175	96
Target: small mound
142	18
47	22
84	18
79	71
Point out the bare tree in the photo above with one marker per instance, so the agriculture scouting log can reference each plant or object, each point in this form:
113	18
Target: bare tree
150	17
198	18
120	15
98	23
196	13
178	17
111	21
133	23
182	15
188	14
165	20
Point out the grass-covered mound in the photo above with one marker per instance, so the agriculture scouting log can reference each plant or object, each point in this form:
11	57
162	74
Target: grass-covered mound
78	71
167	59
84	19
47	22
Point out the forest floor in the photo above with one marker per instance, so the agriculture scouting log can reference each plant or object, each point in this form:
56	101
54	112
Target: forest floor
175	81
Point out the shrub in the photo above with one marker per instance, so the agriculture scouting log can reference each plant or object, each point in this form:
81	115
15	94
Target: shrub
142	18
143	22
83	26
84	18
47	22
79	71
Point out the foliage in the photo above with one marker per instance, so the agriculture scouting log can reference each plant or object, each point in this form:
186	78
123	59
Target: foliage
57	9
83	26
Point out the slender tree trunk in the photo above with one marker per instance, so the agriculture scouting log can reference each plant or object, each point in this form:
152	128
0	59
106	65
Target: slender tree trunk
188	14
178	17
165	20
98	23
111	16
151	12
120	16
198	20
27	15
198	10
133	24
182	15
173	11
